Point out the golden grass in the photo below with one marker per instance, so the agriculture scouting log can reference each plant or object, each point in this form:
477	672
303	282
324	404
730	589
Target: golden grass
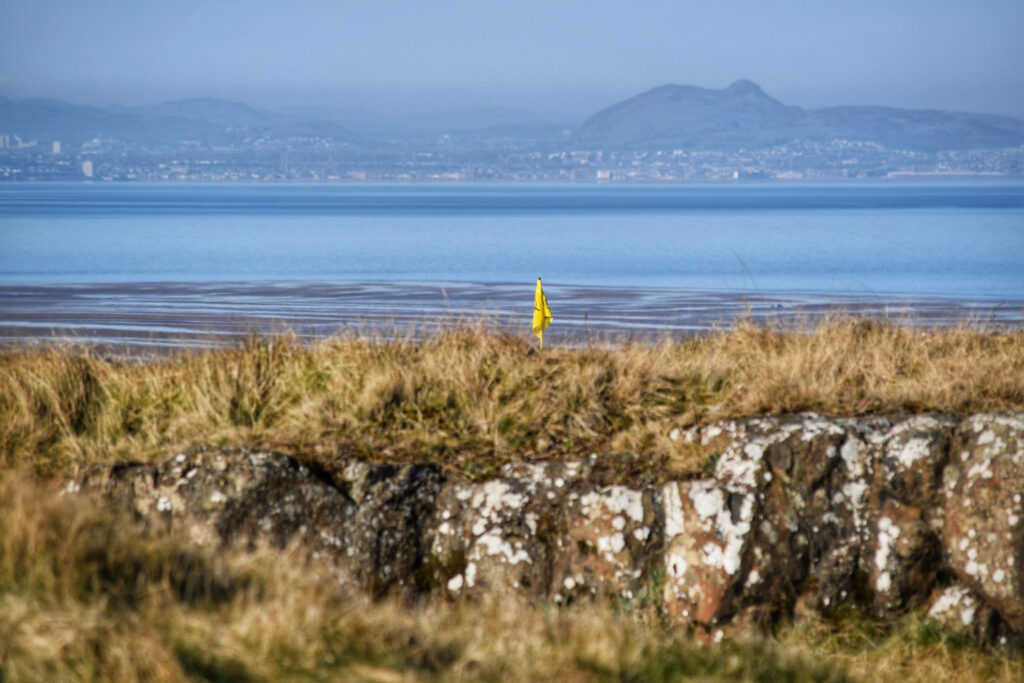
86	594
471	398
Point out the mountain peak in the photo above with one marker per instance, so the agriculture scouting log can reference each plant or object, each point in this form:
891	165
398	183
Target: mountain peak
742	116
686	116
743	86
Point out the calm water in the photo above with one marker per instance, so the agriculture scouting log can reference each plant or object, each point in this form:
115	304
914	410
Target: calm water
154	266
937	240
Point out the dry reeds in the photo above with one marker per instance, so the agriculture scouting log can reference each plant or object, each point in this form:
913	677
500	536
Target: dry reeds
472	398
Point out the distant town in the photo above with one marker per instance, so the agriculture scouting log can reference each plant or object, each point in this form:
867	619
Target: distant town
669	134
315	160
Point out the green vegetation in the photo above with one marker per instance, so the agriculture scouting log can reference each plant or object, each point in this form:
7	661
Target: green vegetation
87	594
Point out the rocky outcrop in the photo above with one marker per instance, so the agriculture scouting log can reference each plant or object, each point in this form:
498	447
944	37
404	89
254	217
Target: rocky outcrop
982	533
799	514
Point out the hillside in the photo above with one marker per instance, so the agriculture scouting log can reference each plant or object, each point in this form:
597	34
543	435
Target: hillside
744	116
738	132
51	119
209	121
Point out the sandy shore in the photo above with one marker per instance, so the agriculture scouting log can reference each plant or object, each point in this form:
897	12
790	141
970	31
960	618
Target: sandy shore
169	315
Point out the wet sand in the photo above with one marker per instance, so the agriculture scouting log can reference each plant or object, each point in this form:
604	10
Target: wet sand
154	316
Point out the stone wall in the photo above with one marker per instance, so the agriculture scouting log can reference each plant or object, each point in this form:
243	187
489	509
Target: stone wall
798	515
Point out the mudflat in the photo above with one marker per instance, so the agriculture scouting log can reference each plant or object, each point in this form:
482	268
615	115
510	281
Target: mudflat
208	315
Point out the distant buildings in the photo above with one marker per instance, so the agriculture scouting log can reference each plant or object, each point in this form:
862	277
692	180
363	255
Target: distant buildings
14	141
313	159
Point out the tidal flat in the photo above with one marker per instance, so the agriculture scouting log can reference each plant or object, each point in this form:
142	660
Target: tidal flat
161	316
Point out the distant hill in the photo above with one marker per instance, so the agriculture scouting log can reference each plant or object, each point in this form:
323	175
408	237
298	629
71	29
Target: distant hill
918	129
221	112
743	116
236	116
491	126
49	119
206	120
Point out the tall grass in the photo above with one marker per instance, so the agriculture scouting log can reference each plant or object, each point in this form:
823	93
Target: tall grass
88	594
472	398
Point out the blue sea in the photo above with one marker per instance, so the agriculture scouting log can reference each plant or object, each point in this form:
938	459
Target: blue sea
798	243
928	239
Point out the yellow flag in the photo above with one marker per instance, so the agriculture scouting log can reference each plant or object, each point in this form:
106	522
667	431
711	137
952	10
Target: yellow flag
541	313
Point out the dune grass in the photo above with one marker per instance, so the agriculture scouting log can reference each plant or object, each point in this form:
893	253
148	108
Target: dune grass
471	398
86	594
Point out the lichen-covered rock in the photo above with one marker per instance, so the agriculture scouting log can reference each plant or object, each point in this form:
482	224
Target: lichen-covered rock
707	532
238	498
386	530
984	511
905	557
365	526
955	608
542	530
612	534
485	536
797	514
909	465
815	516
958	610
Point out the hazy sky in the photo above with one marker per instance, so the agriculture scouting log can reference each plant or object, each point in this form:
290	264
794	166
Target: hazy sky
564	59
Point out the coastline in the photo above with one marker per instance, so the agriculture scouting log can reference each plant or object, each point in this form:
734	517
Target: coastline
171	315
